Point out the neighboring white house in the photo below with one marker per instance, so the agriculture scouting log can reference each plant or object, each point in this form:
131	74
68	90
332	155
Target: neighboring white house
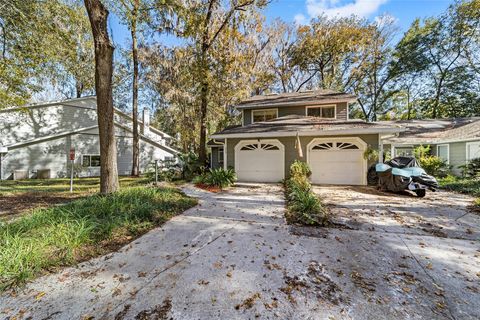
38	139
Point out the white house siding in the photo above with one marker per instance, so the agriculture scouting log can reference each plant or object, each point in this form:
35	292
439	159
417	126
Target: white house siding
89	143
27	124
46	155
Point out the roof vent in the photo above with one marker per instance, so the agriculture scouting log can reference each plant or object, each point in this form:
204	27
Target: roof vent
272	94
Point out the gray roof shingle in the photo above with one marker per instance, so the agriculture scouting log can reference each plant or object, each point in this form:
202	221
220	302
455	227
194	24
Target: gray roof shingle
436	130
290	125
312	97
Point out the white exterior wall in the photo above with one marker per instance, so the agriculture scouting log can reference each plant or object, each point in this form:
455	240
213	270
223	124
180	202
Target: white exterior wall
21	125
51	155
30	123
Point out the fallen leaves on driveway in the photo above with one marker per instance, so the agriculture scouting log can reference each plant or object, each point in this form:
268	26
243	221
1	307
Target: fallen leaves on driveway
249	302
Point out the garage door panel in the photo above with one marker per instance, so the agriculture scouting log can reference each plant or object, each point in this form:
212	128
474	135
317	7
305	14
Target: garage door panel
337	162
259	161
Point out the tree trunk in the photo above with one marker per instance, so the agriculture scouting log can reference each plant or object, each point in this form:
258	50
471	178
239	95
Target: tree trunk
203	117
136	138
98	14
436	103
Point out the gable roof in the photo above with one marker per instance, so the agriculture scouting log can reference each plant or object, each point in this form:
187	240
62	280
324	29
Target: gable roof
77	103
305	126
437	130
72	132
313	97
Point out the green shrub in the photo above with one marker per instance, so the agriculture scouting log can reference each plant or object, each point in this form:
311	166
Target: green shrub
421	151
433	165
190	165
303	206
471	169
300	168
218	177
462	185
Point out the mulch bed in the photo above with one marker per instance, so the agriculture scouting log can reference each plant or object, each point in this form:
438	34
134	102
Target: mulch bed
208	188
15	204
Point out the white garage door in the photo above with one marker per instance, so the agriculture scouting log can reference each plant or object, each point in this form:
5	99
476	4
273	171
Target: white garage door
259	161
337	161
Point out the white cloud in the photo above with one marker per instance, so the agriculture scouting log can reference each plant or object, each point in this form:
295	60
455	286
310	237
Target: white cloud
300	19
336	8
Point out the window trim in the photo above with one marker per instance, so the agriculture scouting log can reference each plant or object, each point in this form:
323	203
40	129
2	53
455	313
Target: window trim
267	109
467	144
323	106
448	151
90	155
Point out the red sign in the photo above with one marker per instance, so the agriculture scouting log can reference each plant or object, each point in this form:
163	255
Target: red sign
72	154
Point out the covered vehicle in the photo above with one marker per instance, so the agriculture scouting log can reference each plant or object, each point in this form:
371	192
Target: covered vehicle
404	173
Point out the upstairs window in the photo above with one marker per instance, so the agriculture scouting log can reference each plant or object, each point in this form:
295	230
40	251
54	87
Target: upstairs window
324	112
264	115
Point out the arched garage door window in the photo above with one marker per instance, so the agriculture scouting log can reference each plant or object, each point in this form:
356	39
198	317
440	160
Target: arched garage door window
260	161
337	161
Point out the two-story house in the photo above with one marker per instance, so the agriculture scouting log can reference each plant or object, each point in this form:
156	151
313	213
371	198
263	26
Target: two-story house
35	140
312	126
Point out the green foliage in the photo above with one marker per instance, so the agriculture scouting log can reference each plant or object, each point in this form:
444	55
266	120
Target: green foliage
462	185
303	206
44	42
471	169
300	168
433	165
190	165
218	177
371	154
421	151
64	235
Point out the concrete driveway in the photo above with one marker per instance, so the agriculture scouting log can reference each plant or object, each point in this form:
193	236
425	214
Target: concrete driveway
233	257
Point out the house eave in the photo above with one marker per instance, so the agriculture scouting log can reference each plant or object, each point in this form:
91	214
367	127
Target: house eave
341	132
426	141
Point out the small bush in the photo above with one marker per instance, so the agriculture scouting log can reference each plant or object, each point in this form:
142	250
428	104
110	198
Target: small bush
471	169
433	165
303	206
462	185
300	168
219	177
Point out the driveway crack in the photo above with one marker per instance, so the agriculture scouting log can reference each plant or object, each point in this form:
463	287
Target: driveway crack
428	275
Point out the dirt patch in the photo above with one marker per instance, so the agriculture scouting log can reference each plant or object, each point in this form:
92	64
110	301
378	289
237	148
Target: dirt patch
15	204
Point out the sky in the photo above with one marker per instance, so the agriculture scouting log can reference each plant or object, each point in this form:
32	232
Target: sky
301	11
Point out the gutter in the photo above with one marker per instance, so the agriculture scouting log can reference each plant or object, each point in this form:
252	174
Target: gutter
307	133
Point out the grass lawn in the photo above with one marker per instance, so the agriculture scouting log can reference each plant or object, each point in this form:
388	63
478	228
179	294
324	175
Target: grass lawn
17	197
58	236
80	185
